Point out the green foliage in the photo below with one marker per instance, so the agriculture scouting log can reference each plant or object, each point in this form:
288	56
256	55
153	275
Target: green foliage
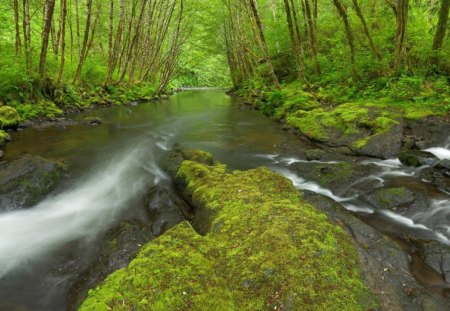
9	118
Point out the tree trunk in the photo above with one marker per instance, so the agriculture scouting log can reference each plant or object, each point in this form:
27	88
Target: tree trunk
17	27
366	29
348	32
48	17
27	35
264	43
441	29
401	33
294	43
117	41
85	40
312	36
63	38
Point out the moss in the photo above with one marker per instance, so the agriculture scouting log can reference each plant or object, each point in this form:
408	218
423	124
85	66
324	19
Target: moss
328	174
9	118
265	249
4	138
393	197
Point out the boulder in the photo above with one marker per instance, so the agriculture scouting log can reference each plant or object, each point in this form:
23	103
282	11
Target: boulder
9	118
4	138
163	210
92	121
260	247
385	266
25	181
417	158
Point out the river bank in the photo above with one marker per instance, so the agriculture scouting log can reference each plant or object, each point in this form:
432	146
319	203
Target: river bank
106	166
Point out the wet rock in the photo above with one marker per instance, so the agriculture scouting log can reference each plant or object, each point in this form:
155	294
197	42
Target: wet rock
385	266
384	145
437	256
4	138
93	121
163	209
390	197
25	181
337	176
444	164
430	132
133	103
437	178
417	158
314	154
9	118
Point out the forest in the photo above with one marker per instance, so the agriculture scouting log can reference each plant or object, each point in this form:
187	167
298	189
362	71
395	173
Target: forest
224	155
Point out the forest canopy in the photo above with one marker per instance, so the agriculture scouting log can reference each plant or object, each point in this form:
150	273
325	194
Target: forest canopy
351	48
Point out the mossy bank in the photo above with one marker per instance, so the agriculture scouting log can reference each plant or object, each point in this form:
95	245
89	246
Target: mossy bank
372	125
263	247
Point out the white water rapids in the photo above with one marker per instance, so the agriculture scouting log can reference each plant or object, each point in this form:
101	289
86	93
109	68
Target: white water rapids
91	206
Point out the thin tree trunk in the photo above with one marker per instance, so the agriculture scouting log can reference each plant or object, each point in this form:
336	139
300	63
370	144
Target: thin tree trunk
85	40
401	33
292	36
63	38
348	32
312	36
264	43
117	41
49	8
366	29
27	35
77	17
442	25
17	27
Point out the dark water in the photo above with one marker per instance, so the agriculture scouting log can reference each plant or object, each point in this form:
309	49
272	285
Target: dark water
113	164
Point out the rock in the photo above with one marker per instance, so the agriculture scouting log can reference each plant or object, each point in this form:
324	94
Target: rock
314	154
93	121
133	104
25	181
430	131
444	164
9	118
163	209
437	256
417	158
4	138
384	145
390	197
385	266
1	154
436	177
262	247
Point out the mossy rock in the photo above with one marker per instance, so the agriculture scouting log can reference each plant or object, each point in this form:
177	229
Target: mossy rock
392	198
264	249
9	118
4	138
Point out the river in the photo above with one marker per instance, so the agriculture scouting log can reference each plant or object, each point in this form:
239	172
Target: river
113	164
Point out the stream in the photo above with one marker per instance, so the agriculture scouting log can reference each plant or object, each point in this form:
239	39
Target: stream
111	166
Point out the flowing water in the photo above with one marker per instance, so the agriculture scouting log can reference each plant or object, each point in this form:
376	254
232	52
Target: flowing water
111	167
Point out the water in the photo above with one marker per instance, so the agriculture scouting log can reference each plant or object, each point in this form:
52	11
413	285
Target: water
111	167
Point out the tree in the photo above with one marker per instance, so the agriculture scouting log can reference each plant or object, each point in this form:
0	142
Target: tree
366	29
85	40
27	35
401	33
442	25
48	16
17	27
255	13
63	38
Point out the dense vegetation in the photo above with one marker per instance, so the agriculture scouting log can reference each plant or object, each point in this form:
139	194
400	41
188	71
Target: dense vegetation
56	55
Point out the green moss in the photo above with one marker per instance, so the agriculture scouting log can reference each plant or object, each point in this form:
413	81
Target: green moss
9	117
4	137
265	249
328	174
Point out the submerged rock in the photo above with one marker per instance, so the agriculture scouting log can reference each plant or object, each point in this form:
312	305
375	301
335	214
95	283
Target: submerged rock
93	121
25	181
263	248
